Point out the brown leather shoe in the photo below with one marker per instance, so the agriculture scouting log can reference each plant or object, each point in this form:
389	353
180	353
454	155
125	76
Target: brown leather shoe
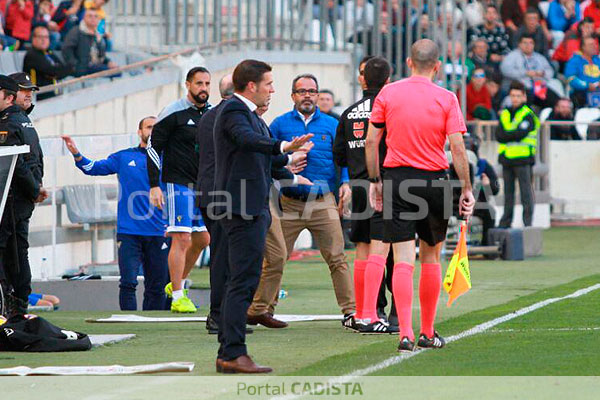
219	364
243	365
267	320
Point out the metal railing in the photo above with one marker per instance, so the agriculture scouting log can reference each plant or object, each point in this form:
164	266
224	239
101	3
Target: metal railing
362	27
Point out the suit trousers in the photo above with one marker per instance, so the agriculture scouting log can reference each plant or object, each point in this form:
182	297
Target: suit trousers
245	238
218	263
321	218
266	296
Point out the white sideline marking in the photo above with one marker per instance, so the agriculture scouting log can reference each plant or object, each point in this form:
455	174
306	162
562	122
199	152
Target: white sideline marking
469	332
595	328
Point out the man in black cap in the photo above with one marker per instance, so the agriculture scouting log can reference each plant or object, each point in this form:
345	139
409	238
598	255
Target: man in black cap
25	190
17	115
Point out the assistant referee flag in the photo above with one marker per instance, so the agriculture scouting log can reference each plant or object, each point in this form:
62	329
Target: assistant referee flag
457	280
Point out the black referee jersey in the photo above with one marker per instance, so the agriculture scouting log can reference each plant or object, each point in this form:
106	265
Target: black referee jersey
349	145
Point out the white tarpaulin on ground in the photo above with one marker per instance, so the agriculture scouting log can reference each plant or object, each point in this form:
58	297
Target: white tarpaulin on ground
100	369
116	318
101	340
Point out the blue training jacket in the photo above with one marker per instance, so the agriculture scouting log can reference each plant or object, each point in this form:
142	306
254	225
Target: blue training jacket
134	188
320	168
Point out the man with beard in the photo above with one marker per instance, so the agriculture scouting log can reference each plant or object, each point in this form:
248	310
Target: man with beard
314	207
173	144
140	228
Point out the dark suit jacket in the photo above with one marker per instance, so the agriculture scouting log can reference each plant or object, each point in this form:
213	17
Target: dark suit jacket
206	153
205	183
243	157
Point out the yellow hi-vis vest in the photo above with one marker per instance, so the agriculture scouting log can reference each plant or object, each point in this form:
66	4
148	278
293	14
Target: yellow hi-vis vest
527	147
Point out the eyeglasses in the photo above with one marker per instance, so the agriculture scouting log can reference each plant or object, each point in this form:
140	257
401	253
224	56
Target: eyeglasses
303	92
42	36
479	75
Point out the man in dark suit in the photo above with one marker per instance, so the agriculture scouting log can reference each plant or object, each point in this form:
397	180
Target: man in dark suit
243	150
204	185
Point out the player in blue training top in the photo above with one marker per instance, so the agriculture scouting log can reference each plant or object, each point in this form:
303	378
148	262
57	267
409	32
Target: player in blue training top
140	228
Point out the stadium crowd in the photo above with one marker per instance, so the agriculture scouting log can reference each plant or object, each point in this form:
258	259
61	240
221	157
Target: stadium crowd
76	28
550	46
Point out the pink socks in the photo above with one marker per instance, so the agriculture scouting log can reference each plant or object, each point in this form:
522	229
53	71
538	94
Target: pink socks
430	285
402	287
373	276
359	285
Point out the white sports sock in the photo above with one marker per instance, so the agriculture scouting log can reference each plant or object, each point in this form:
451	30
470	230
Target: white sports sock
177	294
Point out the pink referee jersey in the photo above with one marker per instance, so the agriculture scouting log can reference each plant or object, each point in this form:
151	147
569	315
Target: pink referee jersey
418	115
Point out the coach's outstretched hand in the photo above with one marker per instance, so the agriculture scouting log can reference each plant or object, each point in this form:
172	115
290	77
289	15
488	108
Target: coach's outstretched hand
157	199
376	196
296	143
71	146
466	203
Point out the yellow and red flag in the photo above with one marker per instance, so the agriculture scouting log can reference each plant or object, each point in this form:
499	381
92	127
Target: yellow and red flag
458	277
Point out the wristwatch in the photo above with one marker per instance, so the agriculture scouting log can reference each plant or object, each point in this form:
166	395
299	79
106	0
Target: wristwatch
375	180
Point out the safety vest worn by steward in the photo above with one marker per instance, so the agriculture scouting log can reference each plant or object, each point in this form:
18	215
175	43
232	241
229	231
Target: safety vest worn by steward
526	148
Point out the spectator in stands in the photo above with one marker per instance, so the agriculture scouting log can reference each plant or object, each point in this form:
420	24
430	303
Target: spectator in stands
583	73
562	15
533	70
593	11
84	49
572	41
67	15
42	65
513	13
7	42
365	15
493	82
531	26
326	102
563	111
479	56
479	100
98	5
453	67
45	10
19	16
495	35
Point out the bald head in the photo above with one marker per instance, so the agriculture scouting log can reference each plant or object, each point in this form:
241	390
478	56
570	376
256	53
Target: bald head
226	86
424	55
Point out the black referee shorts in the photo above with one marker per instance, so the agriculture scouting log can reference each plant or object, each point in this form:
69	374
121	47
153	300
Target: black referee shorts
362	229
421	206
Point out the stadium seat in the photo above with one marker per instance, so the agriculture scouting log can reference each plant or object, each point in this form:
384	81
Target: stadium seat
88	204
545	113
544	6
11	62
557	86
582	117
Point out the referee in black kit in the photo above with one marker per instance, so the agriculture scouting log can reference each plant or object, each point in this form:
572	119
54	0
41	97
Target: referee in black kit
367	225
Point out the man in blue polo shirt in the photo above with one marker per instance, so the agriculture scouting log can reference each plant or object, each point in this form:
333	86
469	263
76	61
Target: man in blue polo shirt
140	228
314	207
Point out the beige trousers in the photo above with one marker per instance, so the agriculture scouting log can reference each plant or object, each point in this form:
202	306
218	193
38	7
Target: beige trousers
321	218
